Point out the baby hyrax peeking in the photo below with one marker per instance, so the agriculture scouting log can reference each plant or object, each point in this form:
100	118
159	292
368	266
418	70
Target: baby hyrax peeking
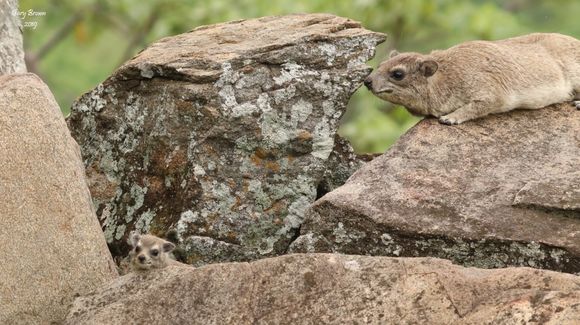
150	252
478	78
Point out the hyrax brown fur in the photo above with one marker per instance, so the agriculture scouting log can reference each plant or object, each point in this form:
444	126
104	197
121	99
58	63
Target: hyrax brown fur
478	78
150	252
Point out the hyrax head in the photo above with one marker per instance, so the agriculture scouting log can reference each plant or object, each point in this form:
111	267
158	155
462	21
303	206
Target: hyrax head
403	80
149	252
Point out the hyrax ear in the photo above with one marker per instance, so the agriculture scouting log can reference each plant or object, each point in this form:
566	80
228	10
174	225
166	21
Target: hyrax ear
168	247
135	237
429	67
393	54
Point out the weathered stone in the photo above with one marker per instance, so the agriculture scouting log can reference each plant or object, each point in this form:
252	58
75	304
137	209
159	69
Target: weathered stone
560	192
334	289
52	245
11	49
495	192
223	133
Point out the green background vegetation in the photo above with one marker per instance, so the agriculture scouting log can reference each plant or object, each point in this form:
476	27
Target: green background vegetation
78	43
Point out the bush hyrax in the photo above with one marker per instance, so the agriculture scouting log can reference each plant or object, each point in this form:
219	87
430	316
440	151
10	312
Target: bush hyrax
478	78
150	252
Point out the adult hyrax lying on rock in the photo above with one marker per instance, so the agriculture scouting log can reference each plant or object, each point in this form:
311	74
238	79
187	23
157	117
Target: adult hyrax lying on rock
478	78
150	252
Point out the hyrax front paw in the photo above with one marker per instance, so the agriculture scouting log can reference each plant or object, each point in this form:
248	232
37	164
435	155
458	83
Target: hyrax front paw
448	120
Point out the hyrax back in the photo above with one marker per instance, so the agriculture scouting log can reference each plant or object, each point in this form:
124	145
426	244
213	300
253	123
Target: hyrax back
478	78
150	252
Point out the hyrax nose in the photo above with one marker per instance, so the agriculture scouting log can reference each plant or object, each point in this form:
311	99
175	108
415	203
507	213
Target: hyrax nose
141	258
368	83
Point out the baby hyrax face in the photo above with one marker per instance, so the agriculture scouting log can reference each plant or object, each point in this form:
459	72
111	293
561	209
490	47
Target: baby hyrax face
149	252
403	80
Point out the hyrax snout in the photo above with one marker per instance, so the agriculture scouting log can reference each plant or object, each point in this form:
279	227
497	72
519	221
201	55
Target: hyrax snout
150	252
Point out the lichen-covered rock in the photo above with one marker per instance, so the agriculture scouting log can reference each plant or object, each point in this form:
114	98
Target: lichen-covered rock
495	192
52	245
11	48
223	133
334	289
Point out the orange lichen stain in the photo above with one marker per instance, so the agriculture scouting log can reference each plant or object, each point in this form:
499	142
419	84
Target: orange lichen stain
232	183
273	166
261	158
264	154
232	236
237	204
304	135
277	208
176	161
156	185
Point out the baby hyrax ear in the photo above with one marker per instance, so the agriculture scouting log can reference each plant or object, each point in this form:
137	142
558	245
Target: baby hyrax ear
168	247
393	54
135	237
428	67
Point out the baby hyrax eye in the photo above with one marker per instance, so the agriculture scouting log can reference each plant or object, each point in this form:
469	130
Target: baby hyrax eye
398	74
154	252
138	249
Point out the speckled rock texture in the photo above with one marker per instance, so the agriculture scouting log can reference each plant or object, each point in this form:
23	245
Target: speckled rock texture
223	134
495	192
11	48
52	245
334	289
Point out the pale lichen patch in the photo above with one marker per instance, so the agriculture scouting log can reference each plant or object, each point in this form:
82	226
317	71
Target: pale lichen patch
323	142
137	194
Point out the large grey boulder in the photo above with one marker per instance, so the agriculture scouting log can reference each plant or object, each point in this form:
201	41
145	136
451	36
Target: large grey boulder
334	289
52	246
11	47
495	192
224	133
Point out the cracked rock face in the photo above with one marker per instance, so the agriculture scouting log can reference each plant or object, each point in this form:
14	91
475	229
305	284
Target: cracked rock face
224	133
495	192
334	289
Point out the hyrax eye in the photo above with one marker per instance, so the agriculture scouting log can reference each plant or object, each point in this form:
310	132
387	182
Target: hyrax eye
154	252
398	75
138	249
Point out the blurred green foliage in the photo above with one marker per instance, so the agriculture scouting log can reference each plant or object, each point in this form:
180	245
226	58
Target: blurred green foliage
78	43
